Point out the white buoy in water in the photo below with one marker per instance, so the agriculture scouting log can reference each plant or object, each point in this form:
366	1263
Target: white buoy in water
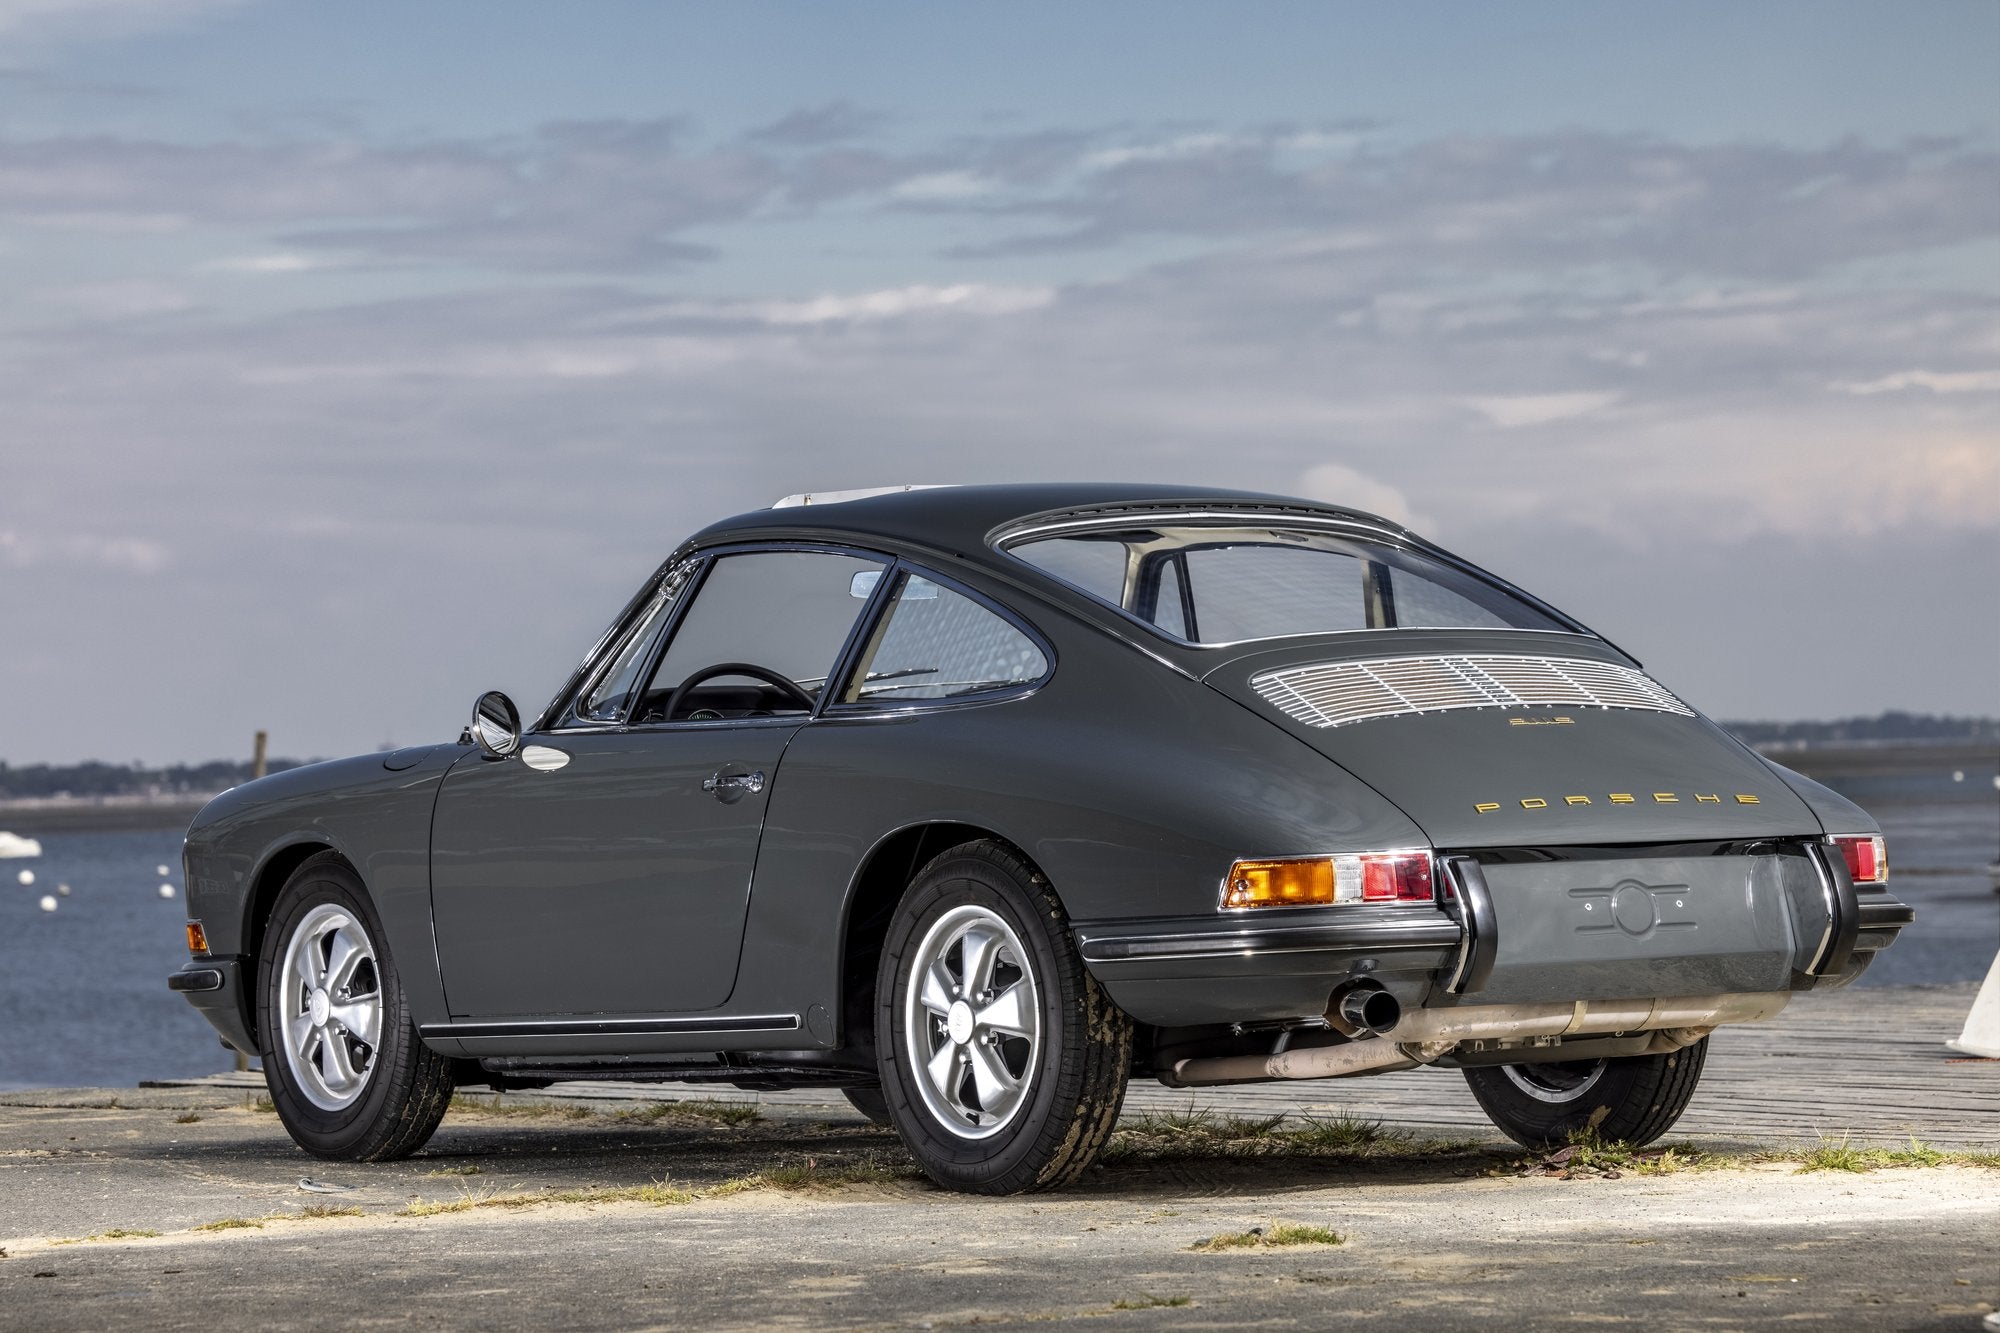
48	902
63	889
1958	775
166	890
27	877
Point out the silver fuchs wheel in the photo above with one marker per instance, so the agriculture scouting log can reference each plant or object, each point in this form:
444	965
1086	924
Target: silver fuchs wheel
971	1022
348	1074
1003	1062
330	1006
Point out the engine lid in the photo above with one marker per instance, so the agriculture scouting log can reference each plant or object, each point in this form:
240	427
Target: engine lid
1490	740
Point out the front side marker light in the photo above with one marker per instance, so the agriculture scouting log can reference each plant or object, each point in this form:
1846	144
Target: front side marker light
1324	881
197	938
1866	856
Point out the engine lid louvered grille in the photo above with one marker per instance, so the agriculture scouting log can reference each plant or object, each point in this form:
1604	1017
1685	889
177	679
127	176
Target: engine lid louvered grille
1333	694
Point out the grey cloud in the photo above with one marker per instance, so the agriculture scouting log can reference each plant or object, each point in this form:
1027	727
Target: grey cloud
813	127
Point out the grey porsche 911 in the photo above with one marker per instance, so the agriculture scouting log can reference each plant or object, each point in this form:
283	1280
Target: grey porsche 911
976	803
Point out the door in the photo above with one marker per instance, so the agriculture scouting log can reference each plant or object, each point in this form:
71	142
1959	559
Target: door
606	867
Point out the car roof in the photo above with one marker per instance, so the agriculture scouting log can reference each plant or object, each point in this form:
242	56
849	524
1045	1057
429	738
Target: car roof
961	520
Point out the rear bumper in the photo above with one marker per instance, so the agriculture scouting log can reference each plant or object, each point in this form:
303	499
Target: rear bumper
1189	972
1557	926
215	987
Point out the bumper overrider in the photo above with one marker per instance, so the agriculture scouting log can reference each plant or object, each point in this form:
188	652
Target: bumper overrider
1650	940
216	986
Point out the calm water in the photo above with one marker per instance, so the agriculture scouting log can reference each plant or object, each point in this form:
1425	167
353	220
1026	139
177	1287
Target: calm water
84	1003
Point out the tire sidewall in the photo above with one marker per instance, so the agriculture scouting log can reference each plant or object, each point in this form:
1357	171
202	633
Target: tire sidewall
957	883
322	1132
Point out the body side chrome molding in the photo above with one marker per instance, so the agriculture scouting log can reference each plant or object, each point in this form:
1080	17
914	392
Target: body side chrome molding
614	1027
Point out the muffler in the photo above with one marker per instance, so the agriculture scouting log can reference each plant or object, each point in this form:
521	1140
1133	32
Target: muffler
1423	1035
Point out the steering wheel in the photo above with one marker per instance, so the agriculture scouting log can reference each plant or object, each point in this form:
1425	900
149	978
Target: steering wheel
783	684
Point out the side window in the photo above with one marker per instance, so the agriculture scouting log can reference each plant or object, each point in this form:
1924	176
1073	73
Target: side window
937	644
787	612
613	689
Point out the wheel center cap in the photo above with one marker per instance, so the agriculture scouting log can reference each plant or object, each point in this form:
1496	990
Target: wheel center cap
319	1006
959	1022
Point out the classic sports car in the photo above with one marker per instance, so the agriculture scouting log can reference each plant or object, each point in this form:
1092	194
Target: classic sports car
978	802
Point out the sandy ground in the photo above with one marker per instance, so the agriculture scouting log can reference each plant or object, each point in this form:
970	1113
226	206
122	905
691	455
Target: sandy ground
1437	1239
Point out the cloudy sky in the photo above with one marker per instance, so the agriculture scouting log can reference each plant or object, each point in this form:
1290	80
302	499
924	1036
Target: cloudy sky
355	358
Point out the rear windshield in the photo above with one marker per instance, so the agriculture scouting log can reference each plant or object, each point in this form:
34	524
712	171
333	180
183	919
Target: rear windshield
1216	585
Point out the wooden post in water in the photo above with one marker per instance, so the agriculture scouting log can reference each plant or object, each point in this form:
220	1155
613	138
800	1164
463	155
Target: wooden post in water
256	771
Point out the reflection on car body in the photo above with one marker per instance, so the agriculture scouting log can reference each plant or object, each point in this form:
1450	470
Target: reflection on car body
976	803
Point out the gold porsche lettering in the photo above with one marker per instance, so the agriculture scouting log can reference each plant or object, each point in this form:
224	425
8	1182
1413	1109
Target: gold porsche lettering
1619	798
1541	721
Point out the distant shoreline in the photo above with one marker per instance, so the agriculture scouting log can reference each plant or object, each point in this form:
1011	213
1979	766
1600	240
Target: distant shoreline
1978	760
108	814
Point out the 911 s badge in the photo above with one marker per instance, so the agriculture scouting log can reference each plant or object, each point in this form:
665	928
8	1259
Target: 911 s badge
1637	909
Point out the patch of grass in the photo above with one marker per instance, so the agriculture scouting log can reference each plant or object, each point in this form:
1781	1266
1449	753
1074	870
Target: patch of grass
809	1176
1586	1156
463	1169
116	1233
189	1118
1194	1133
264	1104
1281	1233
315	1211
495	1105
1840	1155
1151	1303
716	1112
705	1110
229	1224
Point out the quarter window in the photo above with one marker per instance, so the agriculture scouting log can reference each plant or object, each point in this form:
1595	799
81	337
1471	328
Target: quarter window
613	690
938	644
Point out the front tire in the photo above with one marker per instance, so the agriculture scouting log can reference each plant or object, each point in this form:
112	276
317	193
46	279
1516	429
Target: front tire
350	1078
1003	1061
1633	1099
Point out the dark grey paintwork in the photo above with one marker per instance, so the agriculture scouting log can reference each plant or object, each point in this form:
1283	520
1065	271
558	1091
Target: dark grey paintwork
613	908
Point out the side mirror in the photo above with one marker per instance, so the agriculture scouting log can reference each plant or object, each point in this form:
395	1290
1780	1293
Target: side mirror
496	725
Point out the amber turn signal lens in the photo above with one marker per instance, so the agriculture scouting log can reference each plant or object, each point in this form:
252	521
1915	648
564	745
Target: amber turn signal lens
1279	883
197	938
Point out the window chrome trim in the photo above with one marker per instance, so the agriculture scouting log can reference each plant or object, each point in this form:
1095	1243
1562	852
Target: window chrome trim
1005	538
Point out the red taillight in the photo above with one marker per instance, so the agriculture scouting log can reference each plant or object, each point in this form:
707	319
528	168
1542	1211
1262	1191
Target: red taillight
1867	859
1396	877
1323	881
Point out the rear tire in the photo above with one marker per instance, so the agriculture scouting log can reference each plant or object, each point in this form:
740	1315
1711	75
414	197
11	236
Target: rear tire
351	1079
1003	1061
1634	1099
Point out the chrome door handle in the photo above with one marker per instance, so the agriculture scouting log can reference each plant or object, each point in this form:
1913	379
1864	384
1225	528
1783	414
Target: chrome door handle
726	785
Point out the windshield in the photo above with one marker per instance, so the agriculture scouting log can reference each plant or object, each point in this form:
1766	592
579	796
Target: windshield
1217	585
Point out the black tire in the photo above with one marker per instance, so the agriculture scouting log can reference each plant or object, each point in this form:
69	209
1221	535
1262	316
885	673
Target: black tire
1074	1072
870	1102
404	1087
1634	1099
